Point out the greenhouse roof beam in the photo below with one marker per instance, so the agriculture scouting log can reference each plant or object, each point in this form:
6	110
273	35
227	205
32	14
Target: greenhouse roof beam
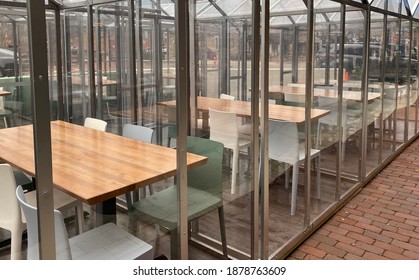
161	9
218	8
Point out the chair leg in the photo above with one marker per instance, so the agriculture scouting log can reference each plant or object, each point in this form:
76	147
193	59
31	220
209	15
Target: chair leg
79	217
174	254
128	200
287	175
294	189
234	171
151	189
223	231
318	177
16	243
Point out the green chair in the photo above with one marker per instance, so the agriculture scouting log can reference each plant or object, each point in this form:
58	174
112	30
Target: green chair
204	194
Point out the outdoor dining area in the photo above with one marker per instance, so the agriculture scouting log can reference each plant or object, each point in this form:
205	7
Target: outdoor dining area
200	129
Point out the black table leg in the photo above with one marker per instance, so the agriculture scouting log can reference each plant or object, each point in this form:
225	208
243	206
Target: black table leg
106	212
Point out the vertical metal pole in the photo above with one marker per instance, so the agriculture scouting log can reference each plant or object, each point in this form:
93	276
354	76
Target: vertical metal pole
69	87
97	77
91	62
364	93
255	121
382	69
264	161
41	127
295	53
340	102
408	86
309	99
59	67
182	99
397	86
327	68
244	62
222	61
132	61
281	57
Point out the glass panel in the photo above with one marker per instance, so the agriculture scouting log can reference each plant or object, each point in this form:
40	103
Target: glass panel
287	70
288	6
413	114
15	68
326	129
376	88
111	34
353	58
413	84
389	101
379	3
403	82
76	72
394	5
221	71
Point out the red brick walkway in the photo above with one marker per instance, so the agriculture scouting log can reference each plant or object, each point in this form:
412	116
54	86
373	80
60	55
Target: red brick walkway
381	222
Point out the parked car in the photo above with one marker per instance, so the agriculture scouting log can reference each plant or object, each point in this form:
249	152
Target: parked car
354	57
7	63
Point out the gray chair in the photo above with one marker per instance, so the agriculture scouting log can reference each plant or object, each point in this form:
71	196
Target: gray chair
143	134
204	194
107	242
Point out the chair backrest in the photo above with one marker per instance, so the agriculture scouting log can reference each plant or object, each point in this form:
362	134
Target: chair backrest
292	99
331	104
63	251
10	213
224	128
226	96
95	123
138	132
207	177
14	106
283	141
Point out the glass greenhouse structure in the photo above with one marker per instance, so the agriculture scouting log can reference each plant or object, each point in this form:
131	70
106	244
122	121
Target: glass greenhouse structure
323	93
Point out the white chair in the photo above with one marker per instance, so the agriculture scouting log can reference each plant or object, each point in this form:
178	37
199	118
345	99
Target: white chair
10	214
95	123
331	119
199	122
107	242
247	127
284	147
101	126
143	134
227	96
224	129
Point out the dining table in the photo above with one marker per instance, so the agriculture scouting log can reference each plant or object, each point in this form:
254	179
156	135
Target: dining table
243	109
93	166
353	95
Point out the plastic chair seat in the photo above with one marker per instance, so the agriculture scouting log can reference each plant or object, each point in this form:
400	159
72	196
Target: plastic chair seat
162	207
107	242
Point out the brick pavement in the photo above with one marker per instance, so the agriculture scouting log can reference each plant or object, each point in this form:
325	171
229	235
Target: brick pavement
380	222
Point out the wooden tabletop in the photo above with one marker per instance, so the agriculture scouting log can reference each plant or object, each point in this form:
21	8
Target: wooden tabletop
243	109
357	84
347	94
93	165
4	93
